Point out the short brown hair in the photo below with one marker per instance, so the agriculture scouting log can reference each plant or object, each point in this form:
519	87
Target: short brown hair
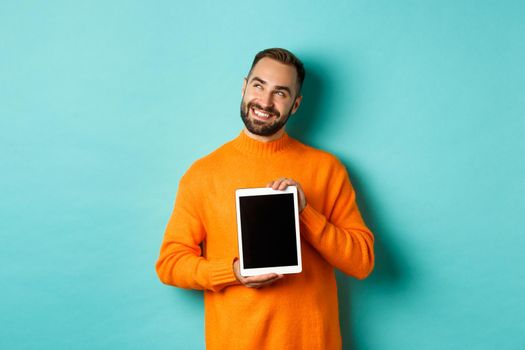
283	56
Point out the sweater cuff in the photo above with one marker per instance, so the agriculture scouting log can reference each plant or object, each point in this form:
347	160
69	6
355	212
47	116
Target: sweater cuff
312	220
222	273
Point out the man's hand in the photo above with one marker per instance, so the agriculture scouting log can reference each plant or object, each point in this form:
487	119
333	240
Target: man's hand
284	182
267	279
255	281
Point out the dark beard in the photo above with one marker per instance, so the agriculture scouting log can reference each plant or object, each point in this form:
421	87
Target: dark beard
260	128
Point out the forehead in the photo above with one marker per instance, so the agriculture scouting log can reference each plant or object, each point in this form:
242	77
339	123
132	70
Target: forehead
275	72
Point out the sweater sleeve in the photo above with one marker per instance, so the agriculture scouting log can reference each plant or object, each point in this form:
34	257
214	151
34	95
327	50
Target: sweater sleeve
341	235
181	262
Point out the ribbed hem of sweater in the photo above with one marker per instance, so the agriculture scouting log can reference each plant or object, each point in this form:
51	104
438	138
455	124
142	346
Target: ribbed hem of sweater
312	220
222	273
249	146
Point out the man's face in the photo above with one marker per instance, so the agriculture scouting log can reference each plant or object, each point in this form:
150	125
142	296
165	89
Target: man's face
269	97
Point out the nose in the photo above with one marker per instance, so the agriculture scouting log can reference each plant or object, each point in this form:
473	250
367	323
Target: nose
267	99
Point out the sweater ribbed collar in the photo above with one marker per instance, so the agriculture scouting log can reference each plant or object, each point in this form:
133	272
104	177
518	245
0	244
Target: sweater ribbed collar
249	146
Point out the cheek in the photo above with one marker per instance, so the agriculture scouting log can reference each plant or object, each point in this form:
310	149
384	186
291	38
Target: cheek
249	96
285	107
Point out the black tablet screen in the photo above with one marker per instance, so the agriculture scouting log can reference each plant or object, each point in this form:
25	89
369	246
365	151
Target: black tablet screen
268	230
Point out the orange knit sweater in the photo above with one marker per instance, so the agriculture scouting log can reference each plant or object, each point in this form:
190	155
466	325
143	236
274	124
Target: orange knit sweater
299	311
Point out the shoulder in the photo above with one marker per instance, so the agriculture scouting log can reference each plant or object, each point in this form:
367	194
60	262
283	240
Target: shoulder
204	166
317	156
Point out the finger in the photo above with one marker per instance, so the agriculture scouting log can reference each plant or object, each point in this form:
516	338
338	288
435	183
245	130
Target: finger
260	278
283	185
271	281
264	283
286	183
260	284
277	184
273	184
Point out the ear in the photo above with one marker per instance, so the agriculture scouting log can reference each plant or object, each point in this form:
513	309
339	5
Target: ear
244	86
297	103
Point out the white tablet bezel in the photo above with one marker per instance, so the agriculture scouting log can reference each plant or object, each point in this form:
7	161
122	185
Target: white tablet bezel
247	192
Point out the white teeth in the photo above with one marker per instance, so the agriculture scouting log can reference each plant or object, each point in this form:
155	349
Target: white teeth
261	114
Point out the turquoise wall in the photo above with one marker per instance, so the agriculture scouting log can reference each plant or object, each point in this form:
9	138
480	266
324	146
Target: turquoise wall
103	105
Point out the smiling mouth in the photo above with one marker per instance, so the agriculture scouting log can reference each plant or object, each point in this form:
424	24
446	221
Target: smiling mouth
260	114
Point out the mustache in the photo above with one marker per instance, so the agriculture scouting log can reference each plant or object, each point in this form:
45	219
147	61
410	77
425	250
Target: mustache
266	109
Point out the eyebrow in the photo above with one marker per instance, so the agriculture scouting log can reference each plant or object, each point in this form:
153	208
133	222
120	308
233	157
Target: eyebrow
277	87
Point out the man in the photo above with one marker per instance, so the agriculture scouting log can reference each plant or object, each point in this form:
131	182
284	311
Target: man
199	251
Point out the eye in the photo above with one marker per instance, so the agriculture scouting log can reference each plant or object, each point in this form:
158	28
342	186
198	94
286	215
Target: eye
280	93
257	86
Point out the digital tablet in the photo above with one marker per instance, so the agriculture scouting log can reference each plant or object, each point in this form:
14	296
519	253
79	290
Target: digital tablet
268	230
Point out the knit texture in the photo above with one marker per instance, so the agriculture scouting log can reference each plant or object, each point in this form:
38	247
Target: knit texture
300	311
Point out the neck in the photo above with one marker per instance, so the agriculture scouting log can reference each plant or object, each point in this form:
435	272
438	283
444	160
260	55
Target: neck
260	138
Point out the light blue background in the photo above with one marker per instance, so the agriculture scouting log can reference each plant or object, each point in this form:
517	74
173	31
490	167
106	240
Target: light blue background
104	105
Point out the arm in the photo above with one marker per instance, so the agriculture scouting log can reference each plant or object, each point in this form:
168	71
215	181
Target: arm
342	237
181	262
